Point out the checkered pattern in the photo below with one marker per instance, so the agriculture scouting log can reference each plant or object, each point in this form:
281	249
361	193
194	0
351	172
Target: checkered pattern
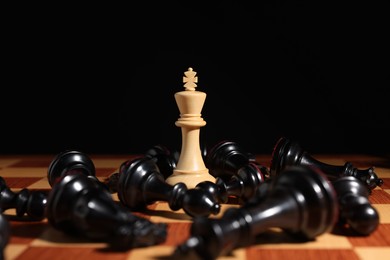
38	240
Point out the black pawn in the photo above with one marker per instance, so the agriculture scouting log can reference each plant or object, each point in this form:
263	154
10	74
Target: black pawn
287	153
70	162
355	209
225	158
142	184
25	202
242	185
5	230
164	159
301	202
159	153
79	206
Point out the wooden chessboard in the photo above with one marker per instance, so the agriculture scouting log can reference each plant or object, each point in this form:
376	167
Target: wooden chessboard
38	240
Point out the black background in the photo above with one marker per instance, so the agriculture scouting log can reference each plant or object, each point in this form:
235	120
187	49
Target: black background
102	78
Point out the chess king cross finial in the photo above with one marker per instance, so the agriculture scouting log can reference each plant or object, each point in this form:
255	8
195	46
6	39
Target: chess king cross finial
190	79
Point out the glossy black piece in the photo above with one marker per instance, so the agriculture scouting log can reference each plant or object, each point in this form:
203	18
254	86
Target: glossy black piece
25	202
356	210
160	154
79	206
287	152
70	162
242	185
301	202
5	233
164	159
225	158
142	184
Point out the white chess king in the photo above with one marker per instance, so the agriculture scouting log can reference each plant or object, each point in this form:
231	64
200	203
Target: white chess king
190	168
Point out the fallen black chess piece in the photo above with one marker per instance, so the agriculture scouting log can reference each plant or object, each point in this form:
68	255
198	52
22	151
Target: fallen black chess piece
287	153
25	202
162	157
32	203
356	211
225	158
300	201
141	183
70	162
237	173
79	206
242	185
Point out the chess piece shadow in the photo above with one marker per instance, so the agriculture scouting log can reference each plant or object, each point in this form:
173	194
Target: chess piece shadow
287	153
300	201
141	184
27	203
79	206
5	233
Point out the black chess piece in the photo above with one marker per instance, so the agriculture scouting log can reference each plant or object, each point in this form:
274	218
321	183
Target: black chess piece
225	158
287	152
160	154
79	206
356	210
5	233
70	162
242	185
301	202
141	184
73	162
25	202
164	158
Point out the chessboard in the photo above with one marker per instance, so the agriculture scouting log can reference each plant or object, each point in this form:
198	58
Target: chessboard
38	240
